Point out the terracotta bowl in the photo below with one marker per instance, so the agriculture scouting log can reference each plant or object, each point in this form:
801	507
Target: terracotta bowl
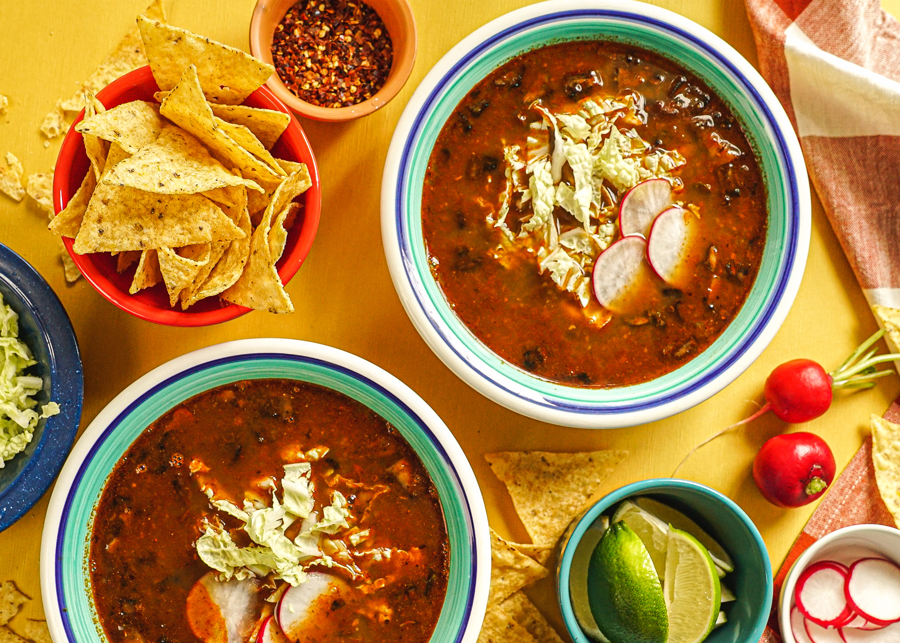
401	26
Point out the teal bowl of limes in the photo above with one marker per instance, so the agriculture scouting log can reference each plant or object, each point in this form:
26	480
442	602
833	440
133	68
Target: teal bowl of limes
665	561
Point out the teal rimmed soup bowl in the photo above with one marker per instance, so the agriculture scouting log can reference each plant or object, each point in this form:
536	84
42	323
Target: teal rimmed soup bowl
65	547
715	513
763	121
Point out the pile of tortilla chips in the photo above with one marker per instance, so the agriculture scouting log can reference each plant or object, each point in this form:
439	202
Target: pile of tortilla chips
187	189
11	601
548	490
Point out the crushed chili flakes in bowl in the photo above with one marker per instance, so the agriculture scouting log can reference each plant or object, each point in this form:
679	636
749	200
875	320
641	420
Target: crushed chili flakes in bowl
332	53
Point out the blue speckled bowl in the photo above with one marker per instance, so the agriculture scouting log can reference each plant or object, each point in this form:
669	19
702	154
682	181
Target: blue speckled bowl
64	547
722	519
45	328
709	58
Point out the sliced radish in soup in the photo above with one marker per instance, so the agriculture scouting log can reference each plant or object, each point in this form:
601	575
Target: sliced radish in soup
617	269
270	632
820	594
873	590
222	612
301	607
667	246
889	634
641	204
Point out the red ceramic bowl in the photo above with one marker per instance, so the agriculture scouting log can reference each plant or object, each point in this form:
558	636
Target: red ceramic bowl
152	304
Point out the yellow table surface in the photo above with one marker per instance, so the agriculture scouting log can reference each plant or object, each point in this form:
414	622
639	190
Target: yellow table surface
344	296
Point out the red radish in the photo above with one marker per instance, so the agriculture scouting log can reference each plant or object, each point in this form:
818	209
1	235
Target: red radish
793	469
820	594
616	270
270	632
873	590
641	204
667	244
301	604
222	612
819	634
798	627
889	634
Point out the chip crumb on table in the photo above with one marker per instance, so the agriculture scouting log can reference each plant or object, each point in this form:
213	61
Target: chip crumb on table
11	178
4	104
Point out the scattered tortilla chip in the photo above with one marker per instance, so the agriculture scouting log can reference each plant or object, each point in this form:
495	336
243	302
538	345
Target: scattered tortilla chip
186	107
36	631
550	489
40	188
124	260
4	103
886	460
127	56
148	273
180	267
266	124
176	163
525	613
499	627
11	178
11	599
67	222
55	122
132	125
511	570
70	270
8	636
171	50
540	553
890	319
120	219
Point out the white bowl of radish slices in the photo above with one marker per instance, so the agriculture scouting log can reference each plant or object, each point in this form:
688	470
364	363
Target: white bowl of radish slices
845	589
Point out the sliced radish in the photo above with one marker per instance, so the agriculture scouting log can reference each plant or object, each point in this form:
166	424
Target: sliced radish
798	627
641	204
667	245
889	634
873	590
270	632
301	606
819	634
222	612
616	270
820	594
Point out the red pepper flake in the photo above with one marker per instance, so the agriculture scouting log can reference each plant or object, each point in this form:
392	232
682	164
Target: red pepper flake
332	53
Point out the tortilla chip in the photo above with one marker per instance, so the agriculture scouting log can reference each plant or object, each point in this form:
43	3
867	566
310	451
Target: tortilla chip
115	156
228	269
120	219
510	570
70	269
248	141
36	631
55	122
890	320
39	187
521	610
11	178
147	274
176	163
540	553
171	50
8	636
189	292
186	107
180	267
499	627
266	124
550	489
11	599
127	56
886	460
95	148
67	222
124	260
278	233
132	125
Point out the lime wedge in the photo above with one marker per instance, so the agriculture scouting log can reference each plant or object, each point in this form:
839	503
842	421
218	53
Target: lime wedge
624	591
678	520
652	531
578	579
691	588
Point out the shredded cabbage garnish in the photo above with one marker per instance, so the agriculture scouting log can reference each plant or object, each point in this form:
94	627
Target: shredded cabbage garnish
18	417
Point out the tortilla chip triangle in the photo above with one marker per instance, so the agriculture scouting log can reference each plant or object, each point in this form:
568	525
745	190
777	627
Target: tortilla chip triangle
550	489
266	124
511	570
68	221
498	627
886	461
170	50
521	610
890	320
180	268
540	553
132	125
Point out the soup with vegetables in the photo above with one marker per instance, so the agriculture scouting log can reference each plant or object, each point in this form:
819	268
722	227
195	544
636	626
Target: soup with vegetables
594	214
269	510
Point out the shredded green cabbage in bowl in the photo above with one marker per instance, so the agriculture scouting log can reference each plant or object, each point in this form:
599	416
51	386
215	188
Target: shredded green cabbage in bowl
18	417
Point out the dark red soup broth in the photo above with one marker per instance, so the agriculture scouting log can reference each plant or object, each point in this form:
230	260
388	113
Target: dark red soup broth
143	560
498	291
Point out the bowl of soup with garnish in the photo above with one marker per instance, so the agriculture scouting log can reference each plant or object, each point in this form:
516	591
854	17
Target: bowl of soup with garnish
595	214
